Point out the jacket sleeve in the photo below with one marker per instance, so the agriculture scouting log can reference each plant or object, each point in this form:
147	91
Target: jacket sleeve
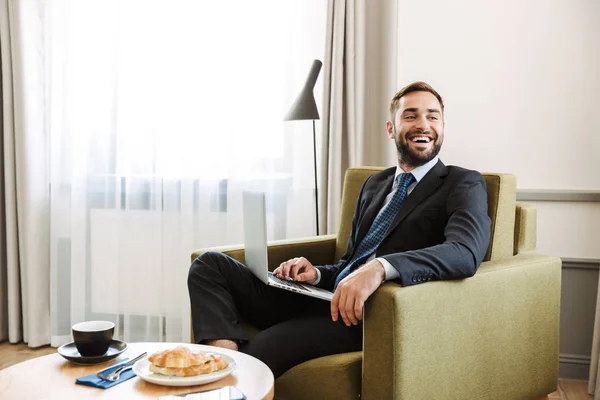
467	236
329	271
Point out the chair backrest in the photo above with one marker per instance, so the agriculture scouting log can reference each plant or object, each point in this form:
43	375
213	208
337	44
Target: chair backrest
525	228
513	226
502	199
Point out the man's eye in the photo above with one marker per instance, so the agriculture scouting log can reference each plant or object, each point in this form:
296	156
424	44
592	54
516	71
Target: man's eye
409	117
433	118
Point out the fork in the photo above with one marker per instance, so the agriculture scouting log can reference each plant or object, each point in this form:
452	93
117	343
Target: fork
113	376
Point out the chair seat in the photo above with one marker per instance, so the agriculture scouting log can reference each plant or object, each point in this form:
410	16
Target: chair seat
331	377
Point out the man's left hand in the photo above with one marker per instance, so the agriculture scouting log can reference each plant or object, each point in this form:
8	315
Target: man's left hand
352	292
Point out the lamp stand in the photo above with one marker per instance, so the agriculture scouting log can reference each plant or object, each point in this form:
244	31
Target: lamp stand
316	187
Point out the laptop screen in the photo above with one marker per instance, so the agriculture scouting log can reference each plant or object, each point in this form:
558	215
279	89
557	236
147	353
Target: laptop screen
255	233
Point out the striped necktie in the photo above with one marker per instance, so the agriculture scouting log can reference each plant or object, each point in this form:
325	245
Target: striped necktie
378	228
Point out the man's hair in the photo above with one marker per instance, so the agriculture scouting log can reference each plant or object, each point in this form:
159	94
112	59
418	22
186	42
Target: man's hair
413	87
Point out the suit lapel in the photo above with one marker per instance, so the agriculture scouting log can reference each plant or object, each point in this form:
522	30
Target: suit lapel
430	182
383	189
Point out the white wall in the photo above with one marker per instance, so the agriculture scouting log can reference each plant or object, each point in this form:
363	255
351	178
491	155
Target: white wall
568	229
521	84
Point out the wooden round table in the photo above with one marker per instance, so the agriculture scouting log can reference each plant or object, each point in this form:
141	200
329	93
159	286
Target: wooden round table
53	377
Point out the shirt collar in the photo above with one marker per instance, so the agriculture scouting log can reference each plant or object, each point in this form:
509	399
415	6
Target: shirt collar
418	172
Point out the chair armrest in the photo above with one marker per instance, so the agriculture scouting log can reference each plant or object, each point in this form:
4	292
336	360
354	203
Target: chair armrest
319	250
492	336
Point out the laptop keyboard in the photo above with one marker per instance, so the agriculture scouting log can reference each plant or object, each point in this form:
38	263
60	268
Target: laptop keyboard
290	284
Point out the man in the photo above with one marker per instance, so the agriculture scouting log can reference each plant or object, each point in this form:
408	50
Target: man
413	223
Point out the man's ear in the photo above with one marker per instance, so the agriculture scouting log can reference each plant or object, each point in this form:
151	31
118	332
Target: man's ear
389	127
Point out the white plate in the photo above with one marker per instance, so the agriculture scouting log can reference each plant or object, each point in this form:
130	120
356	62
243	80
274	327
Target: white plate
142	369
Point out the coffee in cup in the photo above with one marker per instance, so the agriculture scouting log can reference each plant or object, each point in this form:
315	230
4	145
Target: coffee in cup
92	338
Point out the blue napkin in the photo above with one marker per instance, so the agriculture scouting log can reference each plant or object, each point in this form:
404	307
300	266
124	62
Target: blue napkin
95	381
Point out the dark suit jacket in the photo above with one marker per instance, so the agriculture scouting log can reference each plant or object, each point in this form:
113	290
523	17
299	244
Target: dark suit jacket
442	231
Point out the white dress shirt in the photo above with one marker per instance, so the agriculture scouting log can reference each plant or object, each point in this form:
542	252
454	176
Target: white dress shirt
418	173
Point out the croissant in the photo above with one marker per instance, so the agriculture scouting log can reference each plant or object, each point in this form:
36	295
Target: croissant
181	361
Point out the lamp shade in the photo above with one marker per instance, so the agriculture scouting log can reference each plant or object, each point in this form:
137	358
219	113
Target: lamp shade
304	106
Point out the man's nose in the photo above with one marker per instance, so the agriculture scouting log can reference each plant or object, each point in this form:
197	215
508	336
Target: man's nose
422	123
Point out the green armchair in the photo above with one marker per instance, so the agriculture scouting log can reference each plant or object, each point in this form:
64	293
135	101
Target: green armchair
492	336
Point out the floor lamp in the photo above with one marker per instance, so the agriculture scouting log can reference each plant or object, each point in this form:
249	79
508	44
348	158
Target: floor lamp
305	107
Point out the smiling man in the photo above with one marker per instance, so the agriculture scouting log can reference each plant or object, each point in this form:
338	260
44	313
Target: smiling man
415	222
420	132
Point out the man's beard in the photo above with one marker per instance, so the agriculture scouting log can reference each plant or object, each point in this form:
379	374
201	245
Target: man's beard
416	158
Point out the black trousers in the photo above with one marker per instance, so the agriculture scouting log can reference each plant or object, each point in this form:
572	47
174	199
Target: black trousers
294	328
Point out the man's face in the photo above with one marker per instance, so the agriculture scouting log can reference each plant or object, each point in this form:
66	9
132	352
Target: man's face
418	129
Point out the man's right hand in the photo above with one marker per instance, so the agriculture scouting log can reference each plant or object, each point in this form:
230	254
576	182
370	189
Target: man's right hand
299	269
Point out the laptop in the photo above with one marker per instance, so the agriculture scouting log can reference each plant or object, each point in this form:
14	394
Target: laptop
255	242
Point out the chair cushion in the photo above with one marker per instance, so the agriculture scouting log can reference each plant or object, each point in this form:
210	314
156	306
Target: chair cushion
330	377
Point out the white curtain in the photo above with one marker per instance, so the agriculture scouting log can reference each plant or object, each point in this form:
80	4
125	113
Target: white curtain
342	116
156	116
24	197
